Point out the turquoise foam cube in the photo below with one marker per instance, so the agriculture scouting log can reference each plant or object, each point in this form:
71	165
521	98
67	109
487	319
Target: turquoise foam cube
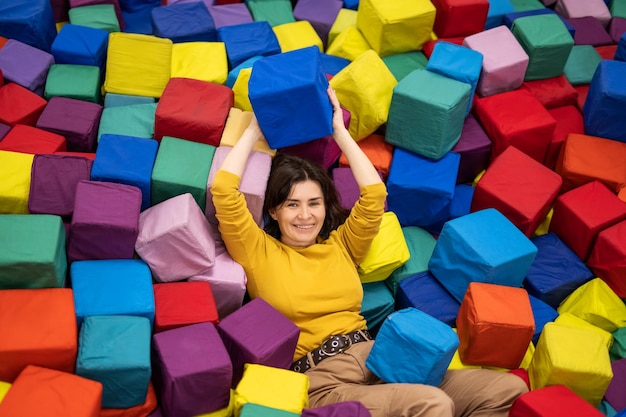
133	120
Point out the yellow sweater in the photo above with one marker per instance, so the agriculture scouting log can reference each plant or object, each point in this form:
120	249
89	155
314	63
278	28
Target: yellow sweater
316	287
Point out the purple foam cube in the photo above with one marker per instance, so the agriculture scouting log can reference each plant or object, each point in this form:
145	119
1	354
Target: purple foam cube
617	28
25	65
258	333
77	120
474	147
230	14
589	31
320	13
193	370
347	187
614	394
105	223
4	129
53	183
341	409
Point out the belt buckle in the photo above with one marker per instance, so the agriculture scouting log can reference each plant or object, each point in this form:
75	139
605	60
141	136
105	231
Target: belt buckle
341	349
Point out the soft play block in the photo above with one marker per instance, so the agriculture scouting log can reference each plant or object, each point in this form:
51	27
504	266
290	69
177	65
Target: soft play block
112	287
596	303
418	199
495	325
378	303
576	358
193	369
33	251
150	407
19	105
97	16
460	17
369	108
230	14
80	45
347	187
607	257
504	60
204	61
132	120
556	271
483	246
323	151
388	251
126	160
497	10
423	292
38	328
28	21
553	92
116	7
53	183
351	408
76	120
25	65
240	88
403	64
321	15
580	214
105	221
516	118
392	27
253	182
474	149
272	387
81	82
519	187
349	44
615	389
171	312
181	166
227	279
410	334
137	64
617	28
297	35
586	158
606	102
547	54
258	333
275	12
421	245
618	349
378	151
175	239
345	18
542	313
581	64
115	351
569	120
193	110
574	9
246	40
553	400
4	129
422	118
114	100
589	31
184	22
569	319
255	410
16	176
288	94
42	391
236	123
29	139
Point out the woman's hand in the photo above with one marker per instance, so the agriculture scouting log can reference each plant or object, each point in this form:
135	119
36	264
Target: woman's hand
338	123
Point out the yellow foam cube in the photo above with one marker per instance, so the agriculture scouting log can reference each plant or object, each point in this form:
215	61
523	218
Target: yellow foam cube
272	387
15	181
297	35
396	26
388	252
596	303
345	18
137	64
349	44
205	61
568	319
457	363
4	388
240	88
364	87
575	357
544	227
236	123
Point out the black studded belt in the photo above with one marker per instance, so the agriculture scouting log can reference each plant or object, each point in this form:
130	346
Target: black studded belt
329	347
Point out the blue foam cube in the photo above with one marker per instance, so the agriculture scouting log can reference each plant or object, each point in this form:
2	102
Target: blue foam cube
81	45
542	313
288	93
28	21
483	246
184	22
234	73
620	52
410	336
246	40
126	160
420	189
497	10
115	351
112	287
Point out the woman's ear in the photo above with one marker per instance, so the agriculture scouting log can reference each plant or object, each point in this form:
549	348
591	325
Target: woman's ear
272	213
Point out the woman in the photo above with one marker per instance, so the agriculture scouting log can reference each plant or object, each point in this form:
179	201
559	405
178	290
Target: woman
304	264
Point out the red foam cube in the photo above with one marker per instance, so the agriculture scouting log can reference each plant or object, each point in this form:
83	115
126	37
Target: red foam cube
19	105
183	303
608	257
29	139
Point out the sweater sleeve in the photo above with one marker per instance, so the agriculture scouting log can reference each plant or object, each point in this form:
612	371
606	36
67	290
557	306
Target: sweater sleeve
363	223
243	238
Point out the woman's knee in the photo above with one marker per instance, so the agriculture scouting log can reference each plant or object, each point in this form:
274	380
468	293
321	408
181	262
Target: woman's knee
410	400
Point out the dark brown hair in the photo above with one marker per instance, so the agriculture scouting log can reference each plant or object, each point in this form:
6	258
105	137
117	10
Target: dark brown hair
288	170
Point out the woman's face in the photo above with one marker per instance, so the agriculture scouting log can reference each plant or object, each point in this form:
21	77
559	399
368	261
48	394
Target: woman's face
301	216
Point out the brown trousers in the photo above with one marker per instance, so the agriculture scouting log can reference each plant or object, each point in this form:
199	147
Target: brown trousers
462	393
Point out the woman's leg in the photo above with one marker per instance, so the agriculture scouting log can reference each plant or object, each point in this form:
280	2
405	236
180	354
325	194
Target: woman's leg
482	392
346	378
